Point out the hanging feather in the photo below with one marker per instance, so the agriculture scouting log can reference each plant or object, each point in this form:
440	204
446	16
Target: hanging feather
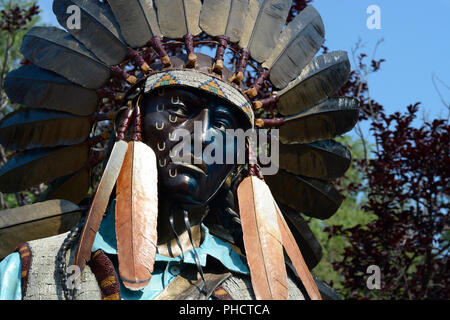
304	237
34	128
137	20
296	257
36	221
38	88
262	240
309	196
55	50
329	119
320	79
224	17
263	25
178	17
296	47
326	160
98	29
136	215
30	168
100	203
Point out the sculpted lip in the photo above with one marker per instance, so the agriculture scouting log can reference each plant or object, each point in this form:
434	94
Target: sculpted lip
201	168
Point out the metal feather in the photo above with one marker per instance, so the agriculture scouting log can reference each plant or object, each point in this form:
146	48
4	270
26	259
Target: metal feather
100	203
326	160
311	197
35	221
34	128
320	79
137	215
263	25
38	88
296	257
55	50
296	47
98	29
30	168
325	121
137	20
305	238
73	187
178	17
262	240
224	17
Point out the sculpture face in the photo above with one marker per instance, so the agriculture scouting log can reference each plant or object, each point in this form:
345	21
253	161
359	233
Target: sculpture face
173	108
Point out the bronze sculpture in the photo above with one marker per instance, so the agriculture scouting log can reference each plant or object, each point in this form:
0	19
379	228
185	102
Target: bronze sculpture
163	209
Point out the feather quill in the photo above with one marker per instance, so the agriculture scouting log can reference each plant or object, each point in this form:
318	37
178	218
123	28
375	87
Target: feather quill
296	257
55	50
224	17
137	20
311	197
296	47
325	121
262	240
178	17
136	215
100	203
38	88
320	79
98	30
263	25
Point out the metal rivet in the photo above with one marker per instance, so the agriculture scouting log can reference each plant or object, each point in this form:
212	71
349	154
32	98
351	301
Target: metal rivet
173	120
159	109
163	147
173	175
159	127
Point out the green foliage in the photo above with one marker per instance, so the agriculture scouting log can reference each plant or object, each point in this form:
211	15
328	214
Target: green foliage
349	215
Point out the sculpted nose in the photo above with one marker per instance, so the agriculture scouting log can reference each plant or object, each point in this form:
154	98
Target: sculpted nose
204	118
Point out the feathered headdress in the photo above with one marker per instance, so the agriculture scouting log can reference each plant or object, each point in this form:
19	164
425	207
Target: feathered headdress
75	79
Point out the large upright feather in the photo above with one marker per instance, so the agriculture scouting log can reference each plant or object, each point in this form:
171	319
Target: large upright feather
34	128
38	88
325	121
311	197
54	49
262	240
98	29
30	168
100	203
320	79
324	160
136	215
178	17
263	25
296	47
296	257
224	17
137	20
36	221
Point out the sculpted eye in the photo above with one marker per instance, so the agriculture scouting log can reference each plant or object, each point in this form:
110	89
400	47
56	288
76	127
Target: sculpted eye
221	124
178	109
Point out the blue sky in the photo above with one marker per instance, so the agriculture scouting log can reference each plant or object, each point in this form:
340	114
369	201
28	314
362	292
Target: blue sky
416	44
